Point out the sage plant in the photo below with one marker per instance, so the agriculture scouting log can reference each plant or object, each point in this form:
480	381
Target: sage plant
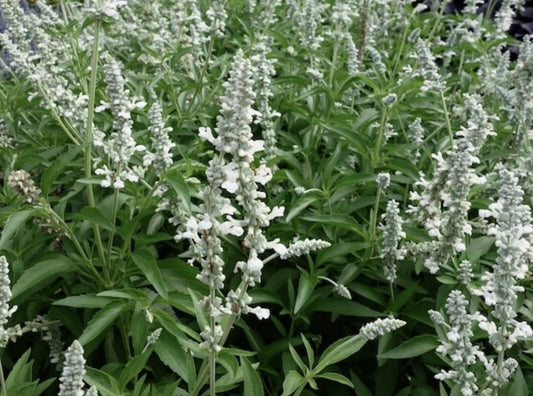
513	231
443	203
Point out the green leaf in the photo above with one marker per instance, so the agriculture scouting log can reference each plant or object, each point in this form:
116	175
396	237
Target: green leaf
134	367
341	379
339	220
102	320
478	247
147	263
415	346
300	205
343	306
252	381
41	275
51	172
519	385
340	249
292	381
340	350
14	223
297	358
309	350
172	354
305	289
359	387
94	216
176	180
83	301
20	372
103	382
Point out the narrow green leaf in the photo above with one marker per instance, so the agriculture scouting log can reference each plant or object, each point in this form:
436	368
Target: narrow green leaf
339	220
519	385
21	371
13	223
309	350
306	286
299	362
300	205
103	382
359	386
343	306
174	177
147	263
340	350
478	247
83	301
133	368
292	381
172	354
102	320
94	216
52	172
252	381
415	346
341	379
41	275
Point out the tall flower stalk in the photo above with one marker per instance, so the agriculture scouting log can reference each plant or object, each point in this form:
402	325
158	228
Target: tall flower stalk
230	174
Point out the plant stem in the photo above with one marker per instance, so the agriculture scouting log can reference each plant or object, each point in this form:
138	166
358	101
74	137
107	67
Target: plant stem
379	140
113	221
227	324
2	380
362	31
447	117
501	356
89	144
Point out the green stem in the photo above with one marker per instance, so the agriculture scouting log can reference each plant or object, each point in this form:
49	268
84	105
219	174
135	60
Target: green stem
2	381
75	139
89	145
501	356
379	139
113	221
447	117
204	72
70	234
437	22
227	324
333	63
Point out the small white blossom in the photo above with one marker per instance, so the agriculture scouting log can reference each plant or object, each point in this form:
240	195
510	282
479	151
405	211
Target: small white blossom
383	180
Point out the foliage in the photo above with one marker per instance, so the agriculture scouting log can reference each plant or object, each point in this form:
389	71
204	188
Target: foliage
396	138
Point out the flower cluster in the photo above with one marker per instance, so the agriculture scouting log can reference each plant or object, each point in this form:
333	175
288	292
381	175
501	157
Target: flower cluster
33	52
458	345
121	146
161	143
428	68
264	70
443	204
71	380
392	234
5	295
21	183
513	232
301	247
380	327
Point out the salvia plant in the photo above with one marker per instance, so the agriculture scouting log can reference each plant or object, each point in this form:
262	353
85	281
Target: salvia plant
282	197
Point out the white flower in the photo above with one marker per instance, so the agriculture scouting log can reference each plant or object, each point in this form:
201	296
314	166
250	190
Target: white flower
380	327
261	313
71	380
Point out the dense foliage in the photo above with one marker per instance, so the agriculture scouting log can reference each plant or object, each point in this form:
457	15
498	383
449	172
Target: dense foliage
295	197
